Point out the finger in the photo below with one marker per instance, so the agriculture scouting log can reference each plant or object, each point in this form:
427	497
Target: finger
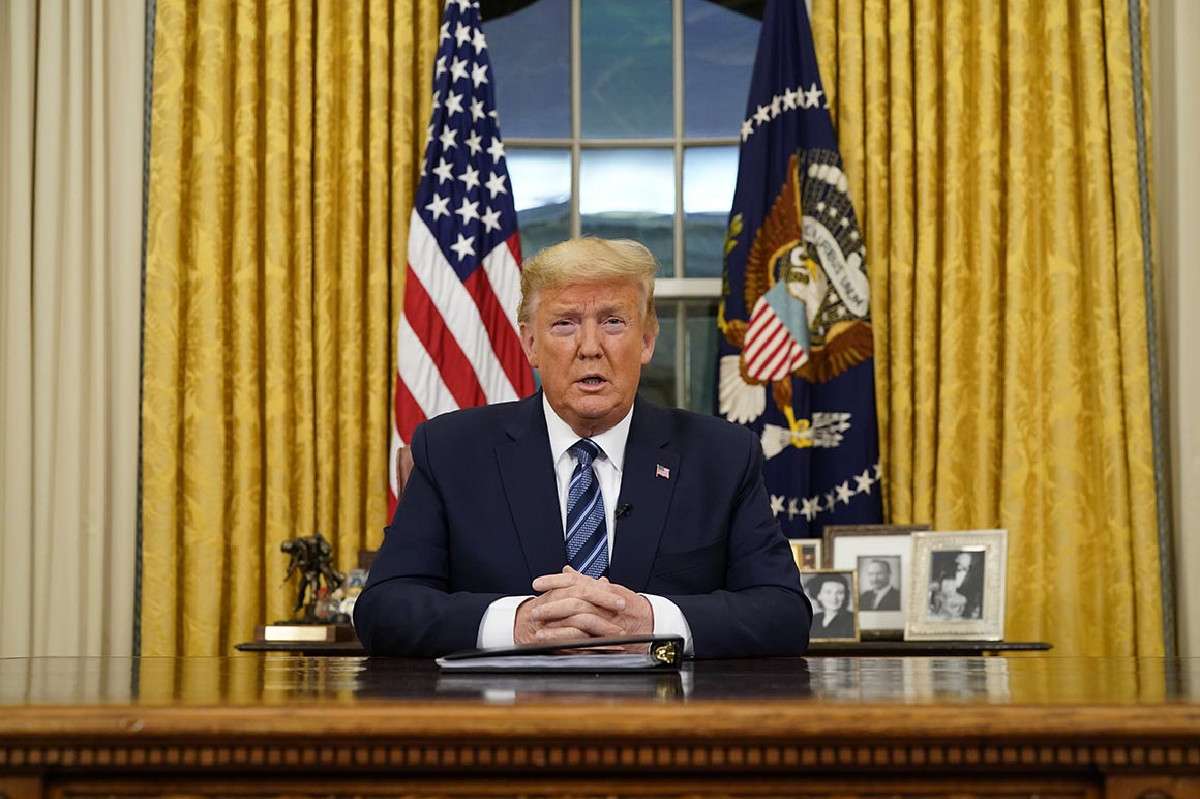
548	582
560	635
550	609
593	626
601	591
602	596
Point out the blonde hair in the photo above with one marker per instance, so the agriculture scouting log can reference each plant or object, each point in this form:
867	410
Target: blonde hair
589	260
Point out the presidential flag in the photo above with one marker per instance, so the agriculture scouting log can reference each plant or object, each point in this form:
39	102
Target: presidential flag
795	361
457	342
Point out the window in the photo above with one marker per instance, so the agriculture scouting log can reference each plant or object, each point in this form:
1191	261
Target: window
621	119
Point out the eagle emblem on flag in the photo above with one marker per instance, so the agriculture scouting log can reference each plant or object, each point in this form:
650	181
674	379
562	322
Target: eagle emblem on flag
807	291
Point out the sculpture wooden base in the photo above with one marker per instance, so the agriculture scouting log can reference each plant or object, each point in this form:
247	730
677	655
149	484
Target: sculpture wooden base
292	632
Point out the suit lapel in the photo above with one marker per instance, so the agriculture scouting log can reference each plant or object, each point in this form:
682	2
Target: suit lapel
647	485
529	484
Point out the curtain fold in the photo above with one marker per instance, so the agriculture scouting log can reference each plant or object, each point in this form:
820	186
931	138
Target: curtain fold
285	145
70	282
992	150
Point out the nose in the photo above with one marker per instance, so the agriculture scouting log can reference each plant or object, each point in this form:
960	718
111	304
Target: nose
589	339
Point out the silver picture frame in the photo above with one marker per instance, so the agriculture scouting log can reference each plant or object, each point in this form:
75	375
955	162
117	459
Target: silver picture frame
957	590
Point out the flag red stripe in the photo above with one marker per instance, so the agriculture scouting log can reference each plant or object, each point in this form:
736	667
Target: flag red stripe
762	341
441	345
772	370
408	412
505	343
765	343
760	323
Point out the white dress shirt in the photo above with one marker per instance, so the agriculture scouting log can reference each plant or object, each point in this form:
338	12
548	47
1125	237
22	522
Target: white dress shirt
496	627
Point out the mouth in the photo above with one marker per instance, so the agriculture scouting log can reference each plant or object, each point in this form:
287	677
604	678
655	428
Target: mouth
591	382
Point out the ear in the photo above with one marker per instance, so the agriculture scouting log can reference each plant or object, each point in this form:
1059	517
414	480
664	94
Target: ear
527	344
648	341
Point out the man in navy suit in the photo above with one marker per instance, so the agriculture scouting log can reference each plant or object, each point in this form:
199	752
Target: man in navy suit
675	530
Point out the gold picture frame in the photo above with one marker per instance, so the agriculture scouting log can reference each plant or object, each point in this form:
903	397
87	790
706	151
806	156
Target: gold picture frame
957	591
806	552
843	626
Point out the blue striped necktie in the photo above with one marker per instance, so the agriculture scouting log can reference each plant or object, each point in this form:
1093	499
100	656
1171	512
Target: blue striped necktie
587	534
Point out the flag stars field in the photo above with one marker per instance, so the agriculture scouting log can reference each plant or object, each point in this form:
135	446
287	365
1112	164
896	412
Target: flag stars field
470	177
464	246
797	99
437	206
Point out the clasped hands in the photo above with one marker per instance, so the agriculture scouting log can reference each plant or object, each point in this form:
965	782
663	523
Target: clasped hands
574	606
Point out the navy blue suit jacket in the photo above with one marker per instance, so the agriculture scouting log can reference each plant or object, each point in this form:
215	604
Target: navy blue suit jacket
479	519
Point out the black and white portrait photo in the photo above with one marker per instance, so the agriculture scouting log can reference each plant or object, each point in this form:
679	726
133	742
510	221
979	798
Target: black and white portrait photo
879	582
955	585
832	597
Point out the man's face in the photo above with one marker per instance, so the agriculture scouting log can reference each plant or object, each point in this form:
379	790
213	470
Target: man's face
963	561
589	342
831	596
877	575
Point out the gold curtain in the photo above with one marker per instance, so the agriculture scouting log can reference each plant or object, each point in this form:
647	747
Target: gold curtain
285	146
993	155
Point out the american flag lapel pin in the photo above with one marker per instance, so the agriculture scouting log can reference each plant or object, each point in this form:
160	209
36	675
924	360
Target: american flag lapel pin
662	471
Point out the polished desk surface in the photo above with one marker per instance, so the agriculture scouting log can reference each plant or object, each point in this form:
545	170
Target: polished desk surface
815	648
360	696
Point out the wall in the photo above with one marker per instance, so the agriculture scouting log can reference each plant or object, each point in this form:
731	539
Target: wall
1175	64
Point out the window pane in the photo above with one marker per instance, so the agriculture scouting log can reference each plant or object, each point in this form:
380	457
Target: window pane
702	336
709	177
541	187
658	376
630	194
625	50
718	57
530	53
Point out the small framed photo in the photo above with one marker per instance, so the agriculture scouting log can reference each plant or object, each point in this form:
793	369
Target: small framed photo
806	552
881	556
832	593
957	587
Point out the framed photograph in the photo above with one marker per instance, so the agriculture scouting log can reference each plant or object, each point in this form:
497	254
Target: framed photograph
832	593
833	532
881	556
957	587
807	553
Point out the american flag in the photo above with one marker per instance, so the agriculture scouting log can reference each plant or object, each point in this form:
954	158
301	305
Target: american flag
457	343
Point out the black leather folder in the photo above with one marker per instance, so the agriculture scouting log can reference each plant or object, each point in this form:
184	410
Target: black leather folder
662	652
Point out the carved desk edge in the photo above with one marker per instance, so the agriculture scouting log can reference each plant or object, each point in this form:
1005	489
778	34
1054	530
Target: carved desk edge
617	737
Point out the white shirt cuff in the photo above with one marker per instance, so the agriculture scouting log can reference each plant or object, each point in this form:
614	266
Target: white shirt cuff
496	626
669	620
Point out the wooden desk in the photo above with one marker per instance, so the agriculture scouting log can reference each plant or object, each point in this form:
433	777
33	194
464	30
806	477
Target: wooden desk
822	648
274	725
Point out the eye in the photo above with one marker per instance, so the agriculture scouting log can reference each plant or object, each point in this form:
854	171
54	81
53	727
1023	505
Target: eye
562	326
613	323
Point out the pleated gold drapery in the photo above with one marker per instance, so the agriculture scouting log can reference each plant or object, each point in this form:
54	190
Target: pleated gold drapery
993	154
285	144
